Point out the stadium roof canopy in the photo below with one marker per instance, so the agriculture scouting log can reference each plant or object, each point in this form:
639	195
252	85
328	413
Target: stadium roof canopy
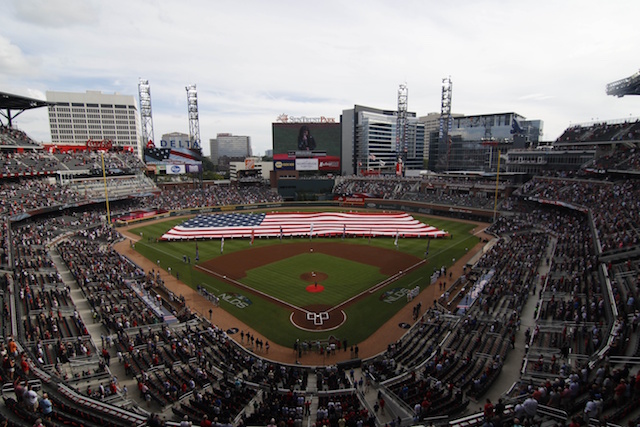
626	86
10	102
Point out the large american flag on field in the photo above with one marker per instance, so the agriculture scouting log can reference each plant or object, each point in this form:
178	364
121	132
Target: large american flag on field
283	224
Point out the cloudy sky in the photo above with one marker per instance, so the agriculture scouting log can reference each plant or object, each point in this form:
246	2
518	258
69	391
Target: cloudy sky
255	59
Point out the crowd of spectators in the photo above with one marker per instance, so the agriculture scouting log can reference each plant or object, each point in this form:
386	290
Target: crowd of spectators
619	159
476	192
382	187
105	276
38	162
574	317
29	194
601	132
26	163
13	137
613	206
177	198
432	372
114	162
454	369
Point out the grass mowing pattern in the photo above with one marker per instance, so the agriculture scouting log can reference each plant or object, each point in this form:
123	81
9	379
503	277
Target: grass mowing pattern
282	279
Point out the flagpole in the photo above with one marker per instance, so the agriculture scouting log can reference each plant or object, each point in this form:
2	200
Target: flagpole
495	203
106	191
426	253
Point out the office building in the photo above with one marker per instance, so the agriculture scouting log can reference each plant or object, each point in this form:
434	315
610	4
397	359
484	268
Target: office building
475	141
227	147
370	143
110	120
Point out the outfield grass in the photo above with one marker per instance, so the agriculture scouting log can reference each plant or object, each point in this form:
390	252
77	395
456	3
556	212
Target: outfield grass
363	318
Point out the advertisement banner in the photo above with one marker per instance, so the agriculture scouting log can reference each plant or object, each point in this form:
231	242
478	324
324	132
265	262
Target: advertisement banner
306	164
175	169
329	163
284	165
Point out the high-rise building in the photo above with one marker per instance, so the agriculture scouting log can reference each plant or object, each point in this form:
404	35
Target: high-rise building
369	141
229	146
431	124
76	119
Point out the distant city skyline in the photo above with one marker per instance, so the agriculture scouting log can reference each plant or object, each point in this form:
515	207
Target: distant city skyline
253	61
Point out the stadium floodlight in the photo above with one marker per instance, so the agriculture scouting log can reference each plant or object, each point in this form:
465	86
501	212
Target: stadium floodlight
146	116
626	86
194	121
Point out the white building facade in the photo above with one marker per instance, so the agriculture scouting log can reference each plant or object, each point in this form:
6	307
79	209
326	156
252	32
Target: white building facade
76	118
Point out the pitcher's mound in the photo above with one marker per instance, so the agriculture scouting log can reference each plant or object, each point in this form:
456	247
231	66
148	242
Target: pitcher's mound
313	288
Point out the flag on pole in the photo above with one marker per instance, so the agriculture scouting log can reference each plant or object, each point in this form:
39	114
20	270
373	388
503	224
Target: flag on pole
222	244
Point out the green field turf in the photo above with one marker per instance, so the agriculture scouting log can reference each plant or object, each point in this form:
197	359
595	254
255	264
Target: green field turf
282	279
363	318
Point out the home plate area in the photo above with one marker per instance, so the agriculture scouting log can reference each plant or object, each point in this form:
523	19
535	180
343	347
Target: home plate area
318	318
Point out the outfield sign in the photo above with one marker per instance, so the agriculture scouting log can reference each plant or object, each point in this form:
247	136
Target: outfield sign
307	164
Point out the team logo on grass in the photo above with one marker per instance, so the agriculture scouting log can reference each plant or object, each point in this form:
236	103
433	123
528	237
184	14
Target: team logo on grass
237	300
393	295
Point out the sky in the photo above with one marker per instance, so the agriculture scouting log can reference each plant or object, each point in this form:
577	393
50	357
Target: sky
253	60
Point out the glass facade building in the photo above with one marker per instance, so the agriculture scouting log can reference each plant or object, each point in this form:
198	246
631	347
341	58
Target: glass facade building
475	141
370	141
229	146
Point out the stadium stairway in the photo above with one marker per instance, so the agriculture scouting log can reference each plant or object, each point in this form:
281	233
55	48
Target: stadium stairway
392	410
510	373
83	307
160	310
97	331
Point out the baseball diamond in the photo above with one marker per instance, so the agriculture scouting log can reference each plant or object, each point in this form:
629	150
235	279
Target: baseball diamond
234	266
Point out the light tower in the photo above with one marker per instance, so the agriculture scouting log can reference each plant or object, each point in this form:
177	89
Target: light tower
446	120
401	124
146	119
194	122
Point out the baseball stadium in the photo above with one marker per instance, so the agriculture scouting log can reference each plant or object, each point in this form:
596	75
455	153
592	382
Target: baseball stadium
136	292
